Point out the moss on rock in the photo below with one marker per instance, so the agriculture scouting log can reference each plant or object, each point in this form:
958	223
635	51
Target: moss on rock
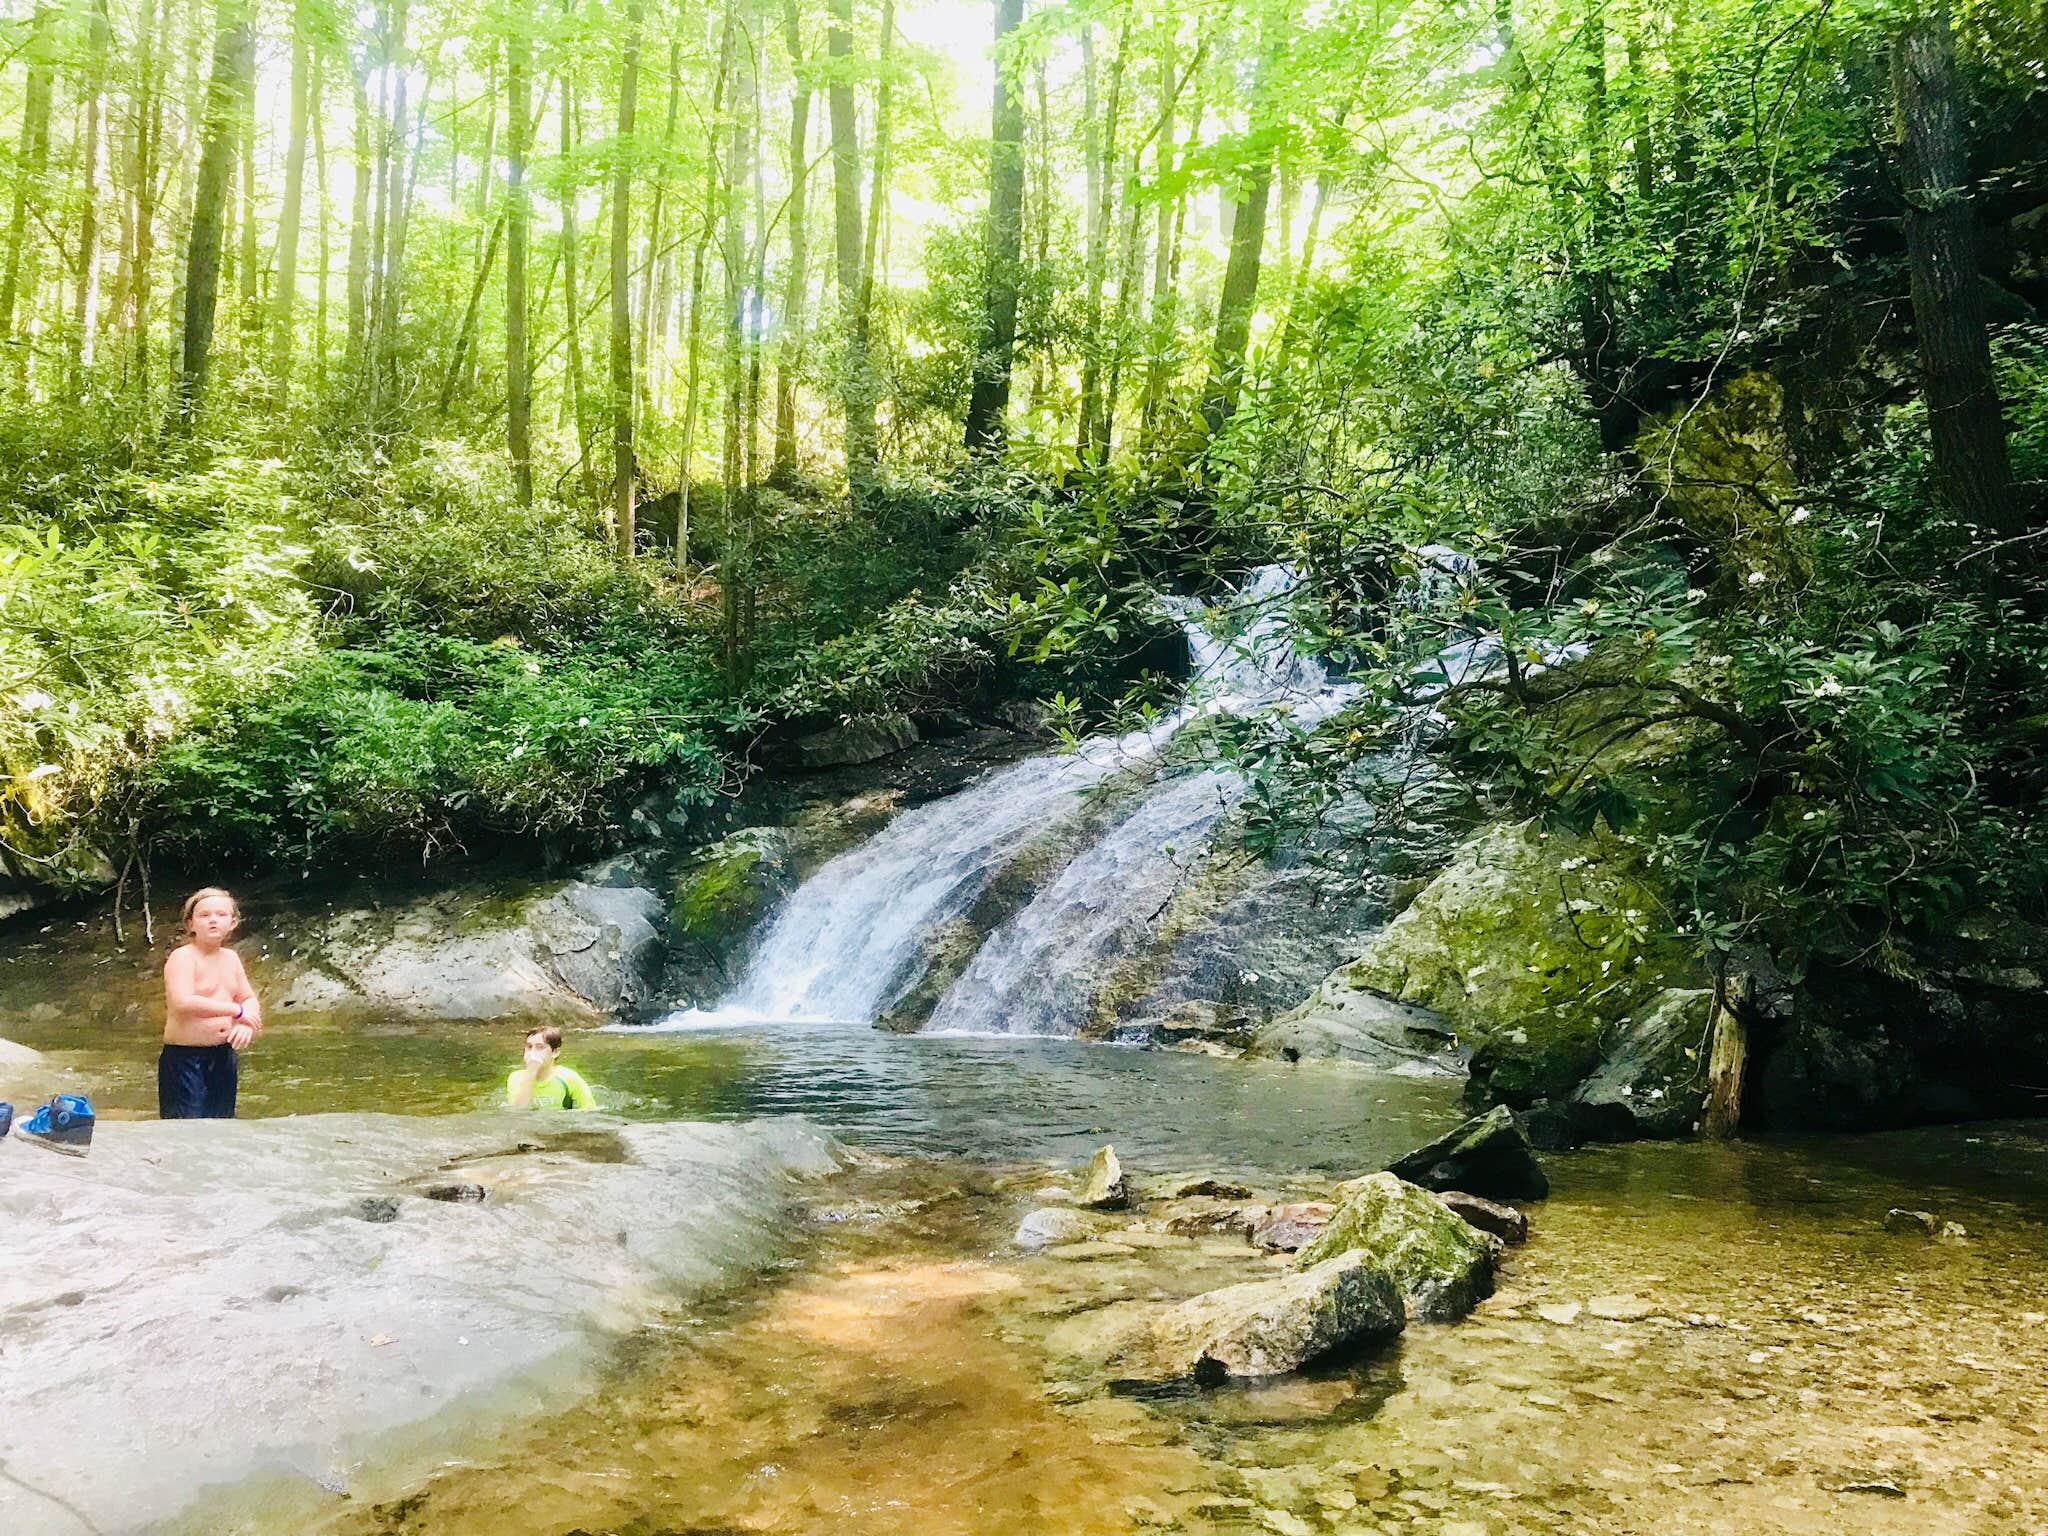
1443	1266
730	885
1536	946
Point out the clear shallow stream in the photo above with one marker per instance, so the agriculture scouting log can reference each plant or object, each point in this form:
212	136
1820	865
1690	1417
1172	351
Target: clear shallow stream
1773	1361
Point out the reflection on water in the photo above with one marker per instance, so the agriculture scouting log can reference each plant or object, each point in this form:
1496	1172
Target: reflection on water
1020	1099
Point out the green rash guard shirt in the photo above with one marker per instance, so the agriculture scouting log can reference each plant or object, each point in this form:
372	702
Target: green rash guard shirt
565	1090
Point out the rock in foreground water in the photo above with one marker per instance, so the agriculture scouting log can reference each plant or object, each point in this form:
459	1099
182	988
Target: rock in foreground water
1105	1188
1443	1266
1287	1228
1502	1221
1052	1225
1488	1155
1259	1328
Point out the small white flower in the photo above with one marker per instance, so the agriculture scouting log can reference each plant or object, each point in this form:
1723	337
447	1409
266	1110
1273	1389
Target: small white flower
1800	515
34	699
1829	687
1756	578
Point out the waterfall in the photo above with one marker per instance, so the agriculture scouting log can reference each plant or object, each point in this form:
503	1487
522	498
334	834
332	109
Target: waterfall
851	940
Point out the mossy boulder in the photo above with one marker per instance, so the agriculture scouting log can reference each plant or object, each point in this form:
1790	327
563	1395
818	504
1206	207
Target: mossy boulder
1536	945
1443	1266
730	885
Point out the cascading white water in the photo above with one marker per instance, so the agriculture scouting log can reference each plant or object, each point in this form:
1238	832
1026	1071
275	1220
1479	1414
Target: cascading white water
851	940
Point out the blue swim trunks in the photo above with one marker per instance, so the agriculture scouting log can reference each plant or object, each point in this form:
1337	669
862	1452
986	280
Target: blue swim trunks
197	1082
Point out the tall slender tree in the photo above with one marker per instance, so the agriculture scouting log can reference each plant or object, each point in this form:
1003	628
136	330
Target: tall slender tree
856	399
624	475
227	96
988	405
518	385
32	164
287	290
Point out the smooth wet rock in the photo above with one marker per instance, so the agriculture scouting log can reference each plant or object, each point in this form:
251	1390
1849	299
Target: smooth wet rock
1444	1267
1620	1309
1562	1313
1287	1228
377	1208
728	886
1503	1221
1921	1223
1488	1155
1105	1188
457	1194
1048	1227
1265	1327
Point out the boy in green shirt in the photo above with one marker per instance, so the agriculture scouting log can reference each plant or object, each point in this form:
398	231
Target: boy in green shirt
543	1083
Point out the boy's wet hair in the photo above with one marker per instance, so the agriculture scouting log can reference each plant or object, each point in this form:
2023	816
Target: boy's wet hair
550	1034
204	893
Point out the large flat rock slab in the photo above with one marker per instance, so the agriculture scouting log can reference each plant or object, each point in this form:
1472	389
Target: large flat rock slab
203	1302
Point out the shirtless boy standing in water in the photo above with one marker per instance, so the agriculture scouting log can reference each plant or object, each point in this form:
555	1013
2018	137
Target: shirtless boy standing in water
210	1014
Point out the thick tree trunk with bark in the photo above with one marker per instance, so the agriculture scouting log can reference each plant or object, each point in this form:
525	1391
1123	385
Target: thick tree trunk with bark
1965	418
989	404
227	95
359	221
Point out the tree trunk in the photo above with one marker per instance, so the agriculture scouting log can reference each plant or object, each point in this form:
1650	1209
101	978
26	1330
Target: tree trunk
1965	417
789	353
19	272
149	117
572	315
856	402
248	315
326	215
99	32
294	196
624	487
988	406
359	221
391	216
1240	295
694	346
654	294
733	573
1727	1061
518	387
227	95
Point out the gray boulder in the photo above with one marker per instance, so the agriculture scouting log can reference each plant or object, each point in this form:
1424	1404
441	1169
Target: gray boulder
1443	1266
1260	1328
559	953
1487	1155
1050	1226
1287	1228
1348	1022
856	741
1652	1080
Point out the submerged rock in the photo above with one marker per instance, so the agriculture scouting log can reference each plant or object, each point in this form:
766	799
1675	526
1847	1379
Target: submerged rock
1051	1226
1920	1223
1487	1155
1287	1228
1443	1266
1105	1188
1215	1188
1260	1328
1502	1221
